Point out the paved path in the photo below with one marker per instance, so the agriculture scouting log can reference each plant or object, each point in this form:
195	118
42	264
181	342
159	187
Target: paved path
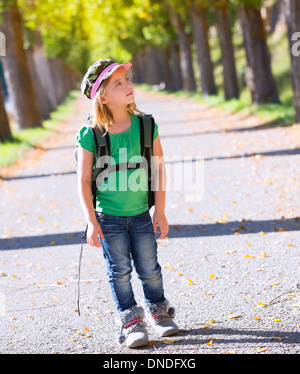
229	252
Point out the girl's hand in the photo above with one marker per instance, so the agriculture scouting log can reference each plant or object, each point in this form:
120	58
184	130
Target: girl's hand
160	219
92	234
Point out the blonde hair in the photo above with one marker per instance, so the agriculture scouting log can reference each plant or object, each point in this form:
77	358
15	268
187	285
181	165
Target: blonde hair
101	113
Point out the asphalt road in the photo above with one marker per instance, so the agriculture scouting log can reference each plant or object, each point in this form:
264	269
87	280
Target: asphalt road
230	261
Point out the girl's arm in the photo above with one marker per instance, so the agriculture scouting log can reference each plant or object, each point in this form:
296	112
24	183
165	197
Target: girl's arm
160	176
84	172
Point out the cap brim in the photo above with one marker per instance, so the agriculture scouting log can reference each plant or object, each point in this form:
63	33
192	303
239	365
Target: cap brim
126	66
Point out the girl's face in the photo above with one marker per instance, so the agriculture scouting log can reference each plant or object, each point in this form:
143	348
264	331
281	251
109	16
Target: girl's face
119	91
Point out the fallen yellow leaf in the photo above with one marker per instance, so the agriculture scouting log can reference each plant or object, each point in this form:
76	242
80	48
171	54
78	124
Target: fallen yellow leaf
170	341
234	316
280	338
209	343
261	349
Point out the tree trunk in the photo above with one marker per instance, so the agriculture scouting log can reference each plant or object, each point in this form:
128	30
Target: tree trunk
186	65
259	75
57	77
231	89
152	68
42	99
176	76
5	132
200	33
42	67
293	24
163	56
137	67
20	87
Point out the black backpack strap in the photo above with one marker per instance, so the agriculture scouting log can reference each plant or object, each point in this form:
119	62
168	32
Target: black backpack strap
103	149
147	133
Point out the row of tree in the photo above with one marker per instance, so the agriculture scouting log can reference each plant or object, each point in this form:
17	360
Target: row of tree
161	37
36	84
190	21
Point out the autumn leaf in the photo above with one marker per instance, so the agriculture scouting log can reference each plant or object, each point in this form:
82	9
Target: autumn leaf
170	341
209	343
72	340
261	349
279	338
234	316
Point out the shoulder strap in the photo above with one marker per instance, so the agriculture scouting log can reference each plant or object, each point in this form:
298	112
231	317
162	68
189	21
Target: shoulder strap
103	149
147	133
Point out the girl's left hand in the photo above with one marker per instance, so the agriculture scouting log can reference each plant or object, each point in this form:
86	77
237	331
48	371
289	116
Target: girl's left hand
160	219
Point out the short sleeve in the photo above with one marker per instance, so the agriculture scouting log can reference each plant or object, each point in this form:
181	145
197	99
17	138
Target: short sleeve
84	139
155	131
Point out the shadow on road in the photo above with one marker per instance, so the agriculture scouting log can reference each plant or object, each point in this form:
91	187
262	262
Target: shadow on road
176	231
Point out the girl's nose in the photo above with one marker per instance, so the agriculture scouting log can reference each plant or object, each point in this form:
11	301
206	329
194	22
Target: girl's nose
129	85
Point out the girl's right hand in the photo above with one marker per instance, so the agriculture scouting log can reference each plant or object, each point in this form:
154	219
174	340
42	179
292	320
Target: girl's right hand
92	234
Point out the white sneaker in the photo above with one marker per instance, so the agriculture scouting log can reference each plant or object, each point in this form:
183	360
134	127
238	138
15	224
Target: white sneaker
137	338
133	333
160	316
166	327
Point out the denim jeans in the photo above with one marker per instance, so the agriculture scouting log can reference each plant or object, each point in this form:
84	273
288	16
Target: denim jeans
128	240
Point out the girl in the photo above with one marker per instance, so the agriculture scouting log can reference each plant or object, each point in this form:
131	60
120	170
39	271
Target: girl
121	223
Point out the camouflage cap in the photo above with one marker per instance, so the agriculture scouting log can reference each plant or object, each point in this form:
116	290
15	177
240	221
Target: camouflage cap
100	70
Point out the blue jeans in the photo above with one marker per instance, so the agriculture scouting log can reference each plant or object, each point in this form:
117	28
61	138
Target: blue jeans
131	239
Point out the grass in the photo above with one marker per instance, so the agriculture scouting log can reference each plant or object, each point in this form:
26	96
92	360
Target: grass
279	114
25	139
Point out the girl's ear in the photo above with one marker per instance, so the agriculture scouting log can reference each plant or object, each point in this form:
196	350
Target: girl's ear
103	100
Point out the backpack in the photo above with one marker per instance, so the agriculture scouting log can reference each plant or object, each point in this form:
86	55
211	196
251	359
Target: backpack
102	143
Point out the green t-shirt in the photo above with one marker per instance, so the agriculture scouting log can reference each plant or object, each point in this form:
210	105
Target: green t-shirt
126	191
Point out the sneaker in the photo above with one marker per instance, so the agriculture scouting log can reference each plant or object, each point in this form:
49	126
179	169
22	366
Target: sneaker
166	327
137	338
160	316
133	333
